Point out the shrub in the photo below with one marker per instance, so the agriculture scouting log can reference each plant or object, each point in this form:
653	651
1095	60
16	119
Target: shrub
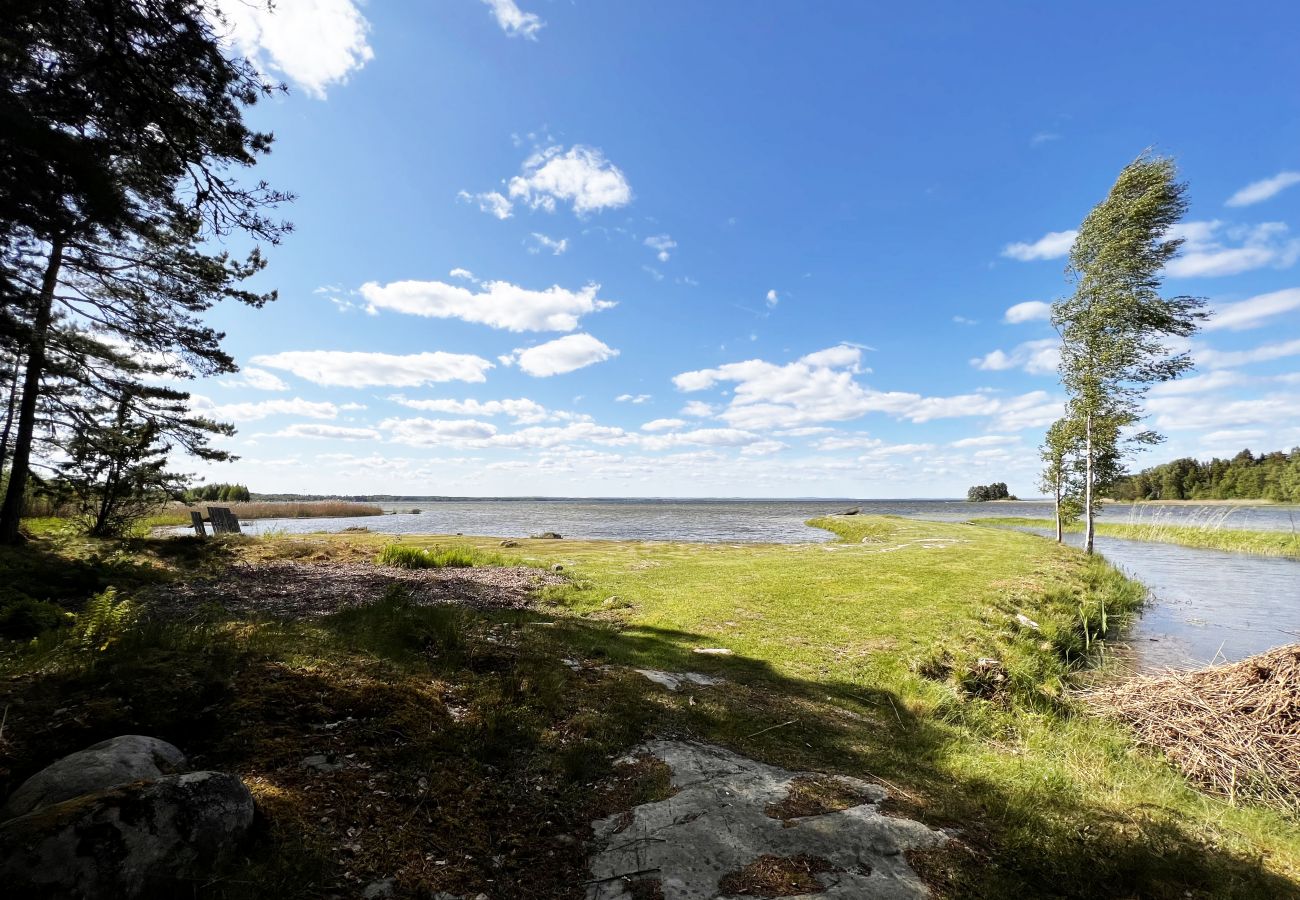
25	618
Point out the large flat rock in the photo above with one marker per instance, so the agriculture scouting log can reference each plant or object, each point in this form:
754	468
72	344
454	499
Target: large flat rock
721	820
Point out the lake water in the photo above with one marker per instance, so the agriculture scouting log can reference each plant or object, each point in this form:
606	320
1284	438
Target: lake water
1205	604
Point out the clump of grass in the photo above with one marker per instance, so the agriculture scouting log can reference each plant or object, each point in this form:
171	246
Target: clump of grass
407	556
1210	534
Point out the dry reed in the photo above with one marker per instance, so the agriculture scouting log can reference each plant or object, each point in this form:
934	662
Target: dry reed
1233	729
179	514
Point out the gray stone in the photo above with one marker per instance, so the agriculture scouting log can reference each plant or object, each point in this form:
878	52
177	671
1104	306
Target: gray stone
547	536
320	763
674	680
122	842
717	823
384	887
117	761
557	568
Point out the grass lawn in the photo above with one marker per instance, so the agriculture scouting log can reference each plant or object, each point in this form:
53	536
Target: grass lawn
482	742
1262	543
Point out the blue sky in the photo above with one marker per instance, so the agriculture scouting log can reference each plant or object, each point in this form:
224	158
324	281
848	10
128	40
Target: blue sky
582	248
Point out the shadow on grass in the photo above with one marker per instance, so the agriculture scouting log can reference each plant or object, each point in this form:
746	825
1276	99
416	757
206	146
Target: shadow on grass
461	753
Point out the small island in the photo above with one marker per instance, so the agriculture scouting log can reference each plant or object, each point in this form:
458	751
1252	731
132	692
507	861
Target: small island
982	493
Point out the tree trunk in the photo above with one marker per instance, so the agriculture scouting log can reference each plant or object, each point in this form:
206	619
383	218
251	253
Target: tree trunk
1059	536
1087	486
11	512
10	411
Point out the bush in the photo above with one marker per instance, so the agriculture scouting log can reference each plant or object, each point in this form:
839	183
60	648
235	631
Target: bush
24	619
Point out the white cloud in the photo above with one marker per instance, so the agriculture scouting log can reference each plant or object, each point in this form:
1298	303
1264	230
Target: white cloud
328	432
257	379
513	20
359	369
1252	313
663	424
632	398
1205	253
773	298
698	409
1052	245
261	409
1258	191
963	320
312	43
1199	384
1040	357
663	244
464	274
425	432
520	410
1029	311
496	303
1043	137
491	202
548	243
580	176
987	440
566	354
1227	359
1193	412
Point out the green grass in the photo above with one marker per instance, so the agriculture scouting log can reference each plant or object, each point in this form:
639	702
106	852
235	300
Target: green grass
858	656
1208	537
405	556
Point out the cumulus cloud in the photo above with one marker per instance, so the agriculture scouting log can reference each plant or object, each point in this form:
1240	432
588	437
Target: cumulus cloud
566	354
261	409
1253	312
987	440
257	379
1039	357
313	44
579	176
513	20
1052	245
327	432
1177	413
1199	384
499	304
632	398
424	432
1258	191
663	424
520	409
698	409
820	387
464	274
1227	359
1029	311
360	369
1212	248
663	244
773	298
548	243
493	203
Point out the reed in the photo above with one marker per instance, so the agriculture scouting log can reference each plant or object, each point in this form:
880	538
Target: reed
179	513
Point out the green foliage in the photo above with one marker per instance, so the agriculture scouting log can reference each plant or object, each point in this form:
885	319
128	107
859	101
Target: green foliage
983	492
406	556
220	492
103	621
1268	476
25	618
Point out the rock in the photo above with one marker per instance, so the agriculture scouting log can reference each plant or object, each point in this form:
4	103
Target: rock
720	820
509	543
119	842
557	568
547	536
852	511
117	761
1025	621
713	651
384	887
674	680
320	763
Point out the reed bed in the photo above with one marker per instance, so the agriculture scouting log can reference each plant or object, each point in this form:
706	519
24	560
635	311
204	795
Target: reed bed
179	514
1233	729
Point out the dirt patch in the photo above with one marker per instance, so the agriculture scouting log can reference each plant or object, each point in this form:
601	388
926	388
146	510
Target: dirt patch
639	779
816	795
293	590
777	876
646	889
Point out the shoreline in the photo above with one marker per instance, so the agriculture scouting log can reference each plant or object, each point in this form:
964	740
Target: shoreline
1232	540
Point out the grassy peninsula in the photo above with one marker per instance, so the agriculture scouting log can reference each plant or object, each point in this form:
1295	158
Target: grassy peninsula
466	743
1206	537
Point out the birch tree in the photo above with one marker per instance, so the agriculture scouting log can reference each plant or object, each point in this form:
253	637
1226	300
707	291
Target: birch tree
1116	328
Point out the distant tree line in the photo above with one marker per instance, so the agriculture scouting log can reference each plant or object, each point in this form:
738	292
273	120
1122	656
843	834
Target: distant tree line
224	493
982	492
1268	476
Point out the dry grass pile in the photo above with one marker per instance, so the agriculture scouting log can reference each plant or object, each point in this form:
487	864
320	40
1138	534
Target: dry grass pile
1233	729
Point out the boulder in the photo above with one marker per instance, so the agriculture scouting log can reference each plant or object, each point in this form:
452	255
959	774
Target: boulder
117	761
547	536
146	836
